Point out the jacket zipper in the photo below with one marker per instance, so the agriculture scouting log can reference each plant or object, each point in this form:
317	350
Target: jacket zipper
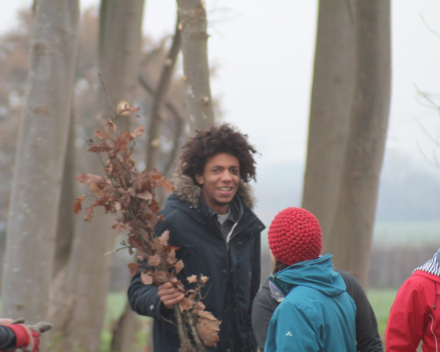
227	240
433	334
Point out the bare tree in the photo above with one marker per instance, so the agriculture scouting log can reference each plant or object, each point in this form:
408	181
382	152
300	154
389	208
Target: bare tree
331	101
195	63
352	227
89	271
32	221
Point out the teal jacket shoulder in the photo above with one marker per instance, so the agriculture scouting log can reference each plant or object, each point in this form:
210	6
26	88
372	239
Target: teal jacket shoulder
317	313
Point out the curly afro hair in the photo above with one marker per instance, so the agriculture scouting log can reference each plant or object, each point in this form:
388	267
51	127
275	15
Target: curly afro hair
218	139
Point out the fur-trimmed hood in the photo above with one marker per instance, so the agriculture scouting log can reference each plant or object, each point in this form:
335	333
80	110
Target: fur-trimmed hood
186	189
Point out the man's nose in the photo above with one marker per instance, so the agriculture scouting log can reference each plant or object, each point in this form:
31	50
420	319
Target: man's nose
226	176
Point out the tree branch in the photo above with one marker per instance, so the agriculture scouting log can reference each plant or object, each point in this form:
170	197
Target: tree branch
164	82
180	121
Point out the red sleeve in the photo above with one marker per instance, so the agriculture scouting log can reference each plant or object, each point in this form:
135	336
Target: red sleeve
405	325
21	335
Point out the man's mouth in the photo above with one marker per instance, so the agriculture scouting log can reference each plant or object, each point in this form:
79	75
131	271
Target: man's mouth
226	191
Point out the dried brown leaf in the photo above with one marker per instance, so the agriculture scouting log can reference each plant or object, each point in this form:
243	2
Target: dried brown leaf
192	279
154	260
160	277
120	226
146	277
77	206
171	257
207	328
99	148
145	195
179	266
89	212
112	125
162	240
165	184
87	178
186	304
135	242
138	131
133	267
99	134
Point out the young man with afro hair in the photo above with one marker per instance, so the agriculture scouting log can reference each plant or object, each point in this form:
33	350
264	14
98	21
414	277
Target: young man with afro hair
210	219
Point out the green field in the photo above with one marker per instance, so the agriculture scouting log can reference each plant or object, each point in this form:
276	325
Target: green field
415	234
381	301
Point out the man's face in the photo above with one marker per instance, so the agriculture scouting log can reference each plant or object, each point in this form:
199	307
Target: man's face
219	181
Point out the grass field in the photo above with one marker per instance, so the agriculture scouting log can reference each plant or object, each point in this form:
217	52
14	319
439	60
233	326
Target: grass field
415	234
381	301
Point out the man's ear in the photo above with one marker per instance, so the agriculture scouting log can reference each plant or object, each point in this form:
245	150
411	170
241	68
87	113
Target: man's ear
200	179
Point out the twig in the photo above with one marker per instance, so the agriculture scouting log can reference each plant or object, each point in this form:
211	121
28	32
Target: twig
112	109
183	334
192	326
428	26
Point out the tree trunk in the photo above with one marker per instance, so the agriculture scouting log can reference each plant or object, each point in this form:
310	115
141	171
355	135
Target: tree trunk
124	331
354	219
65	226
159	98
331	101
32	221
192	15
89	271
119	53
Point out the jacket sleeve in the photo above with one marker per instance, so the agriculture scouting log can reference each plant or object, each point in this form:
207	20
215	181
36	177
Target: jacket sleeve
255	286
143	299
7	339
292	330
367	334
262	310
406	321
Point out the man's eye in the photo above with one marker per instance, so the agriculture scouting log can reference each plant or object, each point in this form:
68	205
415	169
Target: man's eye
235	171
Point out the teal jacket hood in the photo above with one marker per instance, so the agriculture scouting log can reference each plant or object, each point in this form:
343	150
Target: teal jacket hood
317	274
317	314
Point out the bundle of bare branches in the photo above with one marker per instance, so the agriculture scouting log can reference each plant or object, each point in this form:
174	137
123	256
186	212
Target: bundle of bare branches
130	196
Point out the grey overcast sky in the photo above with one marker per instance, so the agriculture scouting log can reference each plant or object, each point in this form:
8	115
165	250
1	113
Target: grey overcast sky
265	53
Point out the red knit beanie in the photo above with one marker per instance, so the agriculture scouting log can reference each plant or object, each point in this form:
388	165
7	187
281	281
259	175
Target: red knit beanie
295	236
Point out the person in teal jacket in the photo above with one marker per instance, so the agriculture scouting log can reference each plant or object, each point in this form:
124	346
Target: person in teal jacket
317	314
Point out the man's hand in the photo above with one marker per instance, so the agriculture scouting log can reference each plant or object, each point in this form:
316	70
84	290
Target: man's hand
28	336
170	294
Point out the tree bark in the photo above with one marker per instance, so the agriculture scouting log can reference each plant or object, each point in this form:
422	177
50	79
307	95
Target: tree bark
357	197
89	271
32	221
119	53
331	101
66	223
192	15
159	98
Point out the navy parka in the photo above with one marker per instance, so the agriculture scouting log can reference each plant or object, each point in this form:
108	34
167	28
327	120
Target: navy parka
233	268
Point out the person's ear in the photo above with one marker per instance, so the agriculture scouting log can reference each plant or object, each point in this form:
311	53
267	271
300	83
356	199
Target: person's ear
200	179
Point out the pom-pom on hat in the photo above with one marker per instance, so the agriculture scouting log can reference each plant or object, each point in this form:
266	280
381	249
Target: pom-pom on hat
295	236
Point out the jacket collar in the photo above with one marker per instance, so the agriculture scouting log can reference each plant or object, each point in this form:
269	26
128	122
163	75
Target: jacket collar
187	190
432	266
